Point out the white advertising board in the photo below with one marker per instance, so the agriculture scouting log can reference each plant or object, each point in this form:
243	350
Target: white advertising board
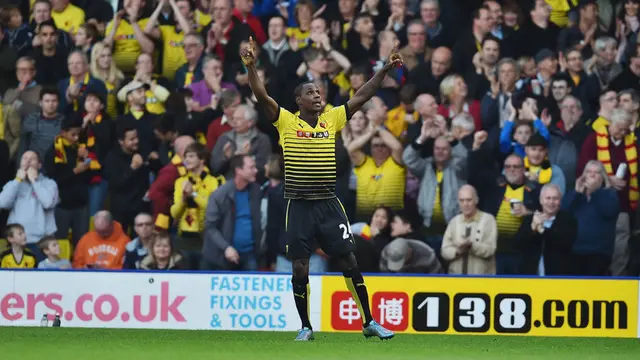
153	300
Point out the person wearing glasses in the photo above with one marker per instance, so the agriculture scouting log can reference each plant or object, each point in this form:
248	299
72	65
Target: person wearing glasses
138	248
508	199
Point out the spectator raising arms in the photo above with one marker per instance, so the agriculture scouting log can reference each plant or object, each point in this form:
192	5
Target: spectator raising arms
68	165
31	199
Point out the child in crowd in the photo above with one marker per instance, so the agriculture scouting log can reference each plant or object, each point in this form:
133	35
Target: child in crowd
51	248
514	137
18	256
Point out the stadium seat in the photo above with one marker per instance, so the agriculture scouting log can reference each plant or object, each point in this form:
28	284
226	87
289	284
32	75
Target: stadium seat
66	249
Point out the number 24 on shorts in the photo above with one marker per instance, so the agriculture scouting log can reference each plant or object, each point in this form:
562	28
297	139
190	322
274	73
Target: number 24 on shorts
472	313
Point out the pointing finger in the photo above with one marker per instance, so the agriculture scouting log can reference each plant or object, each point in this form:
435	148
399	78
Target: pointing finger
396	44
251	42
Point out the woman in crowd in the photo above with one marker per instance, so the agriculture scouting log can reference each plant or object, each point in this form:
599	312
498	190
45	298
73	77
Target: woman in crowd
455	100
594	203
162	255
104	68
303	14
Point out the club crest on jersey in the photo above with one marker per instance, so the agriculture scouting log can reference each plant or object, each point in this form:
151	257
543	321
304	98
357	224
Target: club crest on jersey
323	124
312	135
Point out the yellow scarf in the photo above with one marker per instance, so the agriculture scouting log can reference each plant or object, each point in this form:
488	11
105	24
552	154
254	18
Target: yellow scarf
604	156
188	79
545	173
91	151
60	145
177	162
72	82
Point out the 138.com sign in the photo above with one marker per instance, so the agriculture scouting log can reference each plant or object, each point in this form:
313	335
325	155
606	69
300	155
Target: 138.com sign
492	306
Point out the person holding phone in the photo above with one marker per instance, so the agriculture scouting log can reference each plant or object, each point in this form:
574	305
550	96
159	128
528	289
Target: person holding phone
469	243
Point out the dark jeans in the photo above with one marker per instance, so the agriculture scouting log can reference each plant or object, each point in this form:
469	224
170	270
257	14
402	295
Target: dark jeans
190	246
76	219
248	262
591	264
507	264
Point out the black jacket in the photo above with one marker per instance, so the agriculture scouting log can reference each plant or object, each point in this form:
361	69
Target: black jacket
127	187
554	244
104	134
146	135
73	189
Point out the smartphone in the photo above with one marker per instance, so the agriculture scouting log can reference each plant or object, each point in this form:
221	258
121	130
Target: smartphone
467	231
87	161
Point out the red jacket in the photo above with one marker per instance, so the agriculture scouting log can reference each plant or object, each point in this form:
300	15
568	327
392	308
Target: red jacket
161	191
254	23
216	128
474	111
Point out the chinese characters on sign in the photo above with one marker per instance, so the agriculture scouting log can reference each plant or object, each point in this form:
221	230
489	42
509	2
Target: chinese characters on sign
390	309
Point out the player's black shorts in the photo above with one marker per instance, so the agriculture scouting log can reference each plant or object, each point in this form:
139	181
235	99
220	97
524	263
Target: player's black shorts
313	223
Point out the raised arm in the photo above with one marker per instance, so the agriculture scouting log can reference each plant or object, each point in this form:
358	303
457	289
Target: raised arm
354	148
182	21
393	143
369	89
151	29
269	106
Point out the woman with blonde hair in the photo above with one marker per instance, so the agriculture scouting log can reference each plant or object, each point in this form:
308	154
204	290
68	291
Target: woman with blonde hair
103	67
455	100
303	14
595	205
161	256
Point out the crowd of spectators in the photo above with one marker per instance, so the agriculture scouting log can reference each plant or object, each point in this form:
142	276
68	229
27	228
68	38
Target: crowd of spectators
506	144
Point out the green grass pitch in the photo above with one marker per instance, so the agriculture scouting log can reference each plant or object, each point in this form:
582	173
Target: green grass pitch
111	344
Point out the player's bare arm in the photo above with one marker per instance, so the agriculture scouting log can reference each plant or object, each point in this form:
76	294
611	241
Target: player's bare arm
369	89
269	106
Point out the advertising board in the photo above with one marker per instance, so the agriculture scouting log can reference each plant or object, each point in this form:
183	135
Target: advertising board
490	306
153	300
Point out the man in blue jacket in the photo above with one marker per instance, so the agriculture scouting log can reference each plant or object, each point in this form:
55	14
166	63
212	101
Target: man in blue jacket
72	90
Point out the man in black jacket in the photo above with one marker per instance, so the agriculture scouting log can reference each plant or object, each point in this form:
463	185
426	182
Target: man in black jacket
68	165
143	120
128	176
550	234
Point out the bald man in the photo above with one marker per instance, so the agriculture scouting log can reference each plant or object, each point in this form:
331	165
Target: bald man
161	190
469	243
426	106
428	75
548	234
102	248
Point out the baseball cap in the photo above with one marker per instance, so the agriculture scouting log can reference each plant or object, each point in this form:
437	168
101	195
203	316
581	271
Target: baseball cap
132	86
395	254
544	54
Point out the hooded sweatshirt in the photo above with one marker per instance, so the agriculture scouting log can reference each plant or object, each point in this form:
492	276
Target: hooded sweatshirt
105	253
31	205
